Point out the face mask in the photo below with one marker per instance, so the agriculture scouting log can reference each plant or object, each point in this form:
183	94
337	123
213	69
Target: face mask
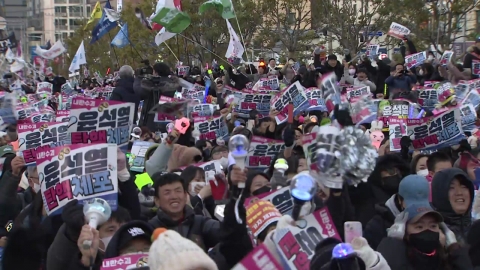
430	58
420	72
351	71
391	183
224	162
36	187
261	190
105	241
426	241
423	172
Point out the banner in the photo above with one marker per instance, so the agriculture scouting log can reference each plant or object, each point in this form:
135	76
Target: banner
295	94
81	172
56	50
129	261
248	101
397	128
97	121
262	152
267	84
211	128
435	132
398	31
62	115
392	109
136	161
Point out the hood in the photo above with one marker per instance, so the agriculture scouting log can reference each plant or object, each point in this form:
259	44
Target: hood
167	222
441	185
387	162
113	248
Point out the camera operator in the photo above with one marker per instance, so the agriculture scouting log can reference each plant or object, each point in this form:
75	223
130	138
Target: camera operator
160	83
401	80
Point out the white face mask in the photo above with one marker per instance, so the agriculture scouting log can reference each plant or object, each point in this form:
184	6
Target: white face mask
430	58
351	71
420	72
423	172
36	187
224	162
105	241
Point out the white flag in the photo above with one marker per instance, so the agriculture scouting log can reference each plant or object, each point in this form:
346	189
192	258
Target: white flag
163	36
111	14
235	47
56	50
79	59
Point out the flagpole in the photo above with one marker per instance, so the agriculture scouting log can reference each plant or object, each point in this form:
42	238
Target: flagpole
205	49
168	47
114	51
240	30
131	44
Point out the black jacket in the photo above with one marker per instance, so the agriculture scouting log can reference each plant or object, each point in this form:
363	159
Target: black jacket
396	253
376	228
124	92
200	229
11	204
467	61
458	224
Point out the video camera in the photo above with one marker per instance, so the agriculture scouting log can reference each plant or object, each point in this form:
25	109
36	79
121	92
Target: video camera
146	70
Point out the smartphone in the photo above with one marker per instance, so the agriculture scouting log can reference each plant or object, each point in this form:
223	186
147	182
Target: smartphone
352	229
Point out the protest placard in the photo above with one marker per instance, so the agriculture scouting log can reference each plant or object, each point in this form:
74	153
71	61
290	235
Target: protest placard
415	60
101	121
259	259
397	128
315	99
44	87
446	58
262	152
136	160
81	172
435	132
211	128
398	31
247	101
295	94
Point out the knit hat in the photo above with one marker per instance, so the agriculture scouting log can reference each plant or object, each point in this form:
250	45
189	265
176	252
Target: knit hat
323	253
173	252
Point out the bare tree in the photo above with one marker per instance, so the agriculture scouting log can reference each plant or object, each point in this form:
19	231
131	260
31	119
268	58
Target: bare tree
353	24
440	22
286	22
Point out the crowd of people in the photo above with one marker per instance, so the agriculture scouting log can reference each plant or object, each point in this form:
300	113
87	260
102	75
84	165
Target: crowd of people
417	210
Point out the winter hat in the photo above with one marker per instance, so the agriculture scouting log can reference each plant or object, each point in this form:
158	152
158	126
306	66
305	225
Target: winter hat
323	253
260	215
173	252
23	250
125	234
183	156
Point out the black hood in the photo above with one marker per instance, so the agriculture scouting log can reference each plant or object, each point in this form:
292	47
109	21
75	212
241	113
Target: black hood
382	210
387	162
441	185
113	248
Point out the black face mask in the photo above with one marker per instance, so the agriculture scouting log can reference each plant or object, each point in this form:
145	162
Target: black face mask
391	183
426	241
261	190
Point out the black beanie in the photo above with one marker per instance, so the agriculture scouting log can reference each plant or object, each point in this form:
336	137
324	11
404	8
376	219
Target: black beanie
323	253
23	250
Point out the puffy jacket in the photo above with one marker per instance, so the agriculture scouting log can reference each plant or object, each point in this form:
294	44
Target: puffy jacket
124	92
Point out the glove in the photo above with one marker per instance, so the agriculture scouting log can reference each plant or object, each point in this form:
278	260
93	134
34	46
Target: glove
289	136
398	228
365	252
74	219
123	173
449	235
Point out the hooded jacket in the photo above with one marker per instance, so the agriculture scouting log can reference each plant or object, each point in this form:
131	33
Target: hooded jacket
124	92
200	229
458	224
376	228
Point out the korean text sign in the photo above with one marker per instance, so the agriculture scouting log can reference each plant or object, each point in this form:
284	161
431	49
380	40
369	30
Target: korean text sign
259	259
32	137
262	151
211	128
295	94
315	99
253	101
130	261
137	155
434	132
101	121
79	172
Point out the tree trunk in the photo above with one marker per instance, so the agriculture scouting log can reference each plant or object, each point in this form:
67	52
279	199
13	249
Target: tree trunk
291	54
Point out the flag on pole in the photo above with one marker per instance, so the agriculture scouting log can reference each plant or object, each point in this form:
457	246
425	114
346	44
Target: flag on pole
224	7
96	14
163	36
121	39
103	26
235	48
78	60
111	14
168	15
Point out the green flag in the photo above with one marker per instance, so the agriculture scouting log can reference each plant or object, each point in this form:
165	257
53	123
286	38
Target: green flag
223	7
174	20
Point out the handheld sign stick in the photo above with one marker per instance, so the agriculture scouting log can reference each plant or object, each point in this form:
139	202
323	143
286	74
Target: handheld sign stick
97	212
302	189
238	146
